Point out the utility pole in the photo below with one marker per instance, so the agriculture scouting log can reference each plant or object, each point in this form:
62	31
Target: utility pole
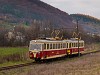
45	32
78	37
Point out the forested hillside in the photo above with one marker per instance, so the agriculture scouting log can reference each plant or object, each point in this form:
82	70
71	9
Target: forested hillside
25	20
15	12
86	18
88	23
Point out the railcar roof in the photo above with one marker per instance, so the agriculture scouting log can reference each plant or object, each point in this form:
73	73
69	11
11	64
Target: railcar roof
54	41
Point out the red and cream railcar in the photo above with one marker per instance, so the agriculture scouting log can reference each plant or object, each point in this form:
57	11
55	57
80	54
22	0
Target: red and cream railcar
46	49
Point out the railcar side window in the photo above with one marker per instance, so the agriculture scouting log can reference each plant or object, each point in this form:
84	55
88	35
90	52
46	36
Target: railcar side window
47	46
72	44
44	46
69	45
54	46
79	44
58	45
50	46
64	45
76	44
61	46
82	44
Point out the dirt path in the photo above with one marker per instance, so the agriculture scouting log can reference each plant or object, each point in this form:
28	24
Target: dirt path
85	65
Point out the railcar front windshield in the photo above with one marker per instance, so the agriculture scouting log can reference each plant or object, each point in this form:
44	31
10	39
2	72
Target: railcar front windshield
35	46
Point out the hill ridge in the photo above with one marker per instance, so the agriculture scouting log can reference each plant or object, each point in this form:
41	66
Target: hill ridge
28	10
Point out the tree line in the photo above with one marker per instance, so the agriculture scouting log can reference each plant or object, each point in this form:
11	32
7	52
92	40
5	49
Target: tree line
21	35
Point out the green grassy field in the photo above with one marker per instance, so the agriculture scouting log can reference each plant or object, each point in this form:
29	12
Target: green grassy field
13	55
16	55
4	51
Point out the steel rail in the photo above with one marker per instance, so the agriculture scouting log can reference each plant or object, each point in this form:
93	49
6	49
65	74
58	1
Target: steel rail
16	66
34	63
90	52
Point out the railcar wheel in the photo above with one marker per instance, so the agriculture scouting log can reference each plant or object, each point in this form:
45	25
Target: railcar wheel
80	54
37	59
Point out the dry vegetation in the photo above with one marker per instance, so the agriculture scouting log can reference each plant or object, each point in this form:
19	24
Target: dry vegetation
85	65
92	46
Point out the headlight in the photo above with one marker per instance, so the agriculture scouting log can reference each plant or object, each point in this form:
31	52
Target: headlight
68	51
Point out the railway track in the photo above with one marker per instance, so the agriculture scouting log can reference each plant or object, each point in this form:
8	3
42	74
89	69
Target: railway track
16	66
89	52
33	63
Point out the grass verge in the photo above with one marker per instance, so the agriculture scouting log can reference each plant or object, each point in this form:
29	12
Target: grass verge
13	56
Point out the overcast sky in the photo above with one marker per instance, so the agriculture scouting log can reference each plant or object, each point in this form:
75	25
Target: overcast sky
88	7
